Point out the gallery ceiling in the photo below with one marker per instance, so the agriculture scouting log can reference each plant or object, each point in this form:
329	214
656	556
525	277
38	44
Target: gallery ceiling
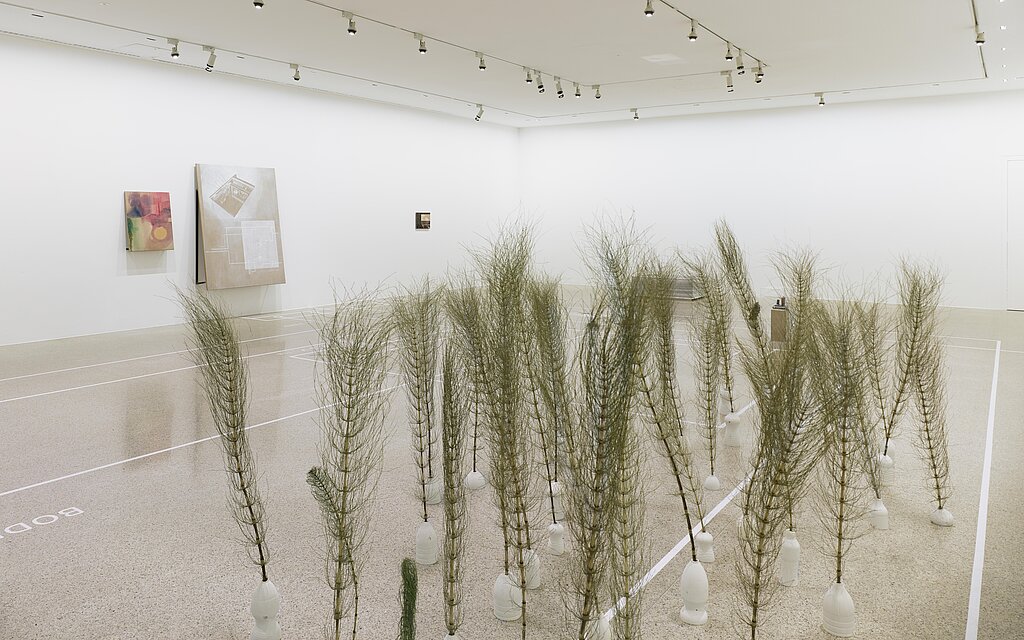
868	50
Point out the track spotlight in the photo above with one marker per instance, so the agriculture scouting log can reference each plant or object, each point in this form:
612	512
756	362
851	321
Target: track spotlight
351	22
296	77
728	81
423	42
821	99
257	3
979	38
636	116
529	75
174	47
480	112
758	73
577	85
558	88
649	11
597	91
483	64
212	60
693	30
540	82
740	68
728	51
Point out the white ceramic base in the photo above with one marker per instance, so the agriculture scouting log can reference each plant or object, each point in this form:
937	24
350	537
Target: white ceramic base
879	515
475	480
532	560
449	636
712	483
838	615
942	517
732	431
434	490
886	469
694	586
266	602
556	495
789	560
508	599
705	544
724	408
599	629
426	544
556	539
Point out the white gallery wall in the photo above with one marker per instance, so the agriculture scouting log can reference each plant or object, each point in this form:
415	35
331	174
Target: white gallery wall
860	183
79	128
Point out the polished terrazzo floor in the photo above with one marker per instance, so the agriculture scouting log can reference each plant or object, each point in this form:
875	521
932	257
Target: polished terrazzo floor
113	519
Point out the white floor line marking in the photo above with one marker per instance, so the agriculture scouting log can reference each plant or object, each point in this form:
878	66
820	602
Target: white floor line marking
153	355
974	606
168	449
138	377
683	543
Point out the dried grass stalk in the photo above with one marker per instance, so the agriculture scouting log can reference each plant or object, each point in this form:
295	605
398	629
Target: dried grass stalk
464	306
214	348
418	323
456	515
351	390
716	309
407	600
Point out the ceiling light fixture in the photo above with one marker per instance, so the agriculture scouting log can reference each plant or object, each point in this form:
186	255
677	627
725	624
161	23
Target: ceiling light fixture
649	11
480	113
577	85
758	73
728	51
728	82
483	64
821	99
257	3
558	87
636	116
693	30
529	76
979	38
423	42
297	76
740	68
597	91
174	47
212	60
1002	27
540	82
351	22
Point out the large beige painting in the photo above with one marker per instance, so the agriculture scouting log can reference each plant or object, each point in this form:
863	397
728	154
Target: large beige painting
239	227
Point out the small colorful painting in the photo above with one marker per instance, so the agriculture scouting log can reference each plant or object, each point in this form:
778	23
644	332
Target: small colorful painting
148	215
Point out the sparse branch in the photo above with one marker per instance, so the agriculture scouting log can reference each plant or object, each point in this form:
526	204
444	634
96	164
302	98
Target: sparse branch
453	436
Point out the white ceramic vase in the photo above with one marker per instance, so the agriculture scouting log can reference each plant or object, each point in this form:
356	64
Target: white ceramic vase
556	539
705	544
426	544
532	560
434	490
732	431
789	560
508	599
887	469
942	517
266	602
694	587
475	480
838	615
712	483
879	515
599	629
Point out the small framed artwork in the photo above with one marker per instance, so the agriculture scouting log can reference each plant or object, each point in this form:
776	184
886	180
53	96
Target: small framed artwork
423	220
148	221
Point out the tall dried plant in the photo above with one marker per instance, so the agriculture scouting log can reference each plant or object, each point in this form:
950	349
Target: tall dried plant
874	327
464	305
352	422
660	395
716	306
787	444
548	370
407	600
505	271
842	386
456	515
213	346
734	266
417	317
708	367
